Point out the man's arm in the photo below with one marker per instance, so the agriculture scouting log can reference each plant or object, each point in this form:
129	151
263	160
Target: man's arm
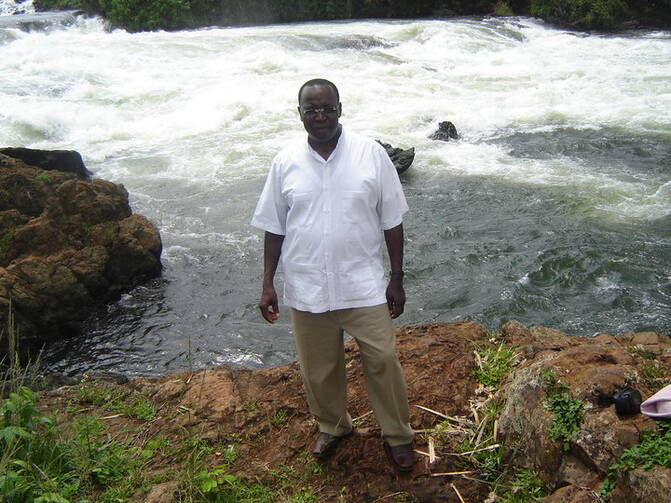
395	293
272	248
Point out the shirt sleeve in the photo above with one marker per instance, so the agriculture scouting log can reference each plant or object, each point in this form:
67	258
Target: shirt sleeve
391	203
271	210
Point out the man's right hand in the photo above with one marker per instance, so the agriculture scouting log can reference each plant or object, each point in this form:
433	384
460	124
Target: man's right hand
268	304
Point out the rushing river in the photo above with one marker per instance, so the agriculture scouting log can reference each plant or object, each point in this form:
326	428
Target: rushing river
553	208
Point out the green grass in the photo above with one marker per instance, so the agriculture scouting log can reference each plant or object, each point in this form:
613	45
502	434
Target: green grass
279	418
653	450
496	364
568	412
6	240
45	178
525	486
654	375
41	463
115	400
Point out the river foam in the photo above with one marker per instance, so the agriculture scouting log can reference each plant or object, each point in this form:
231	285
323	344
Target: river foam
565	138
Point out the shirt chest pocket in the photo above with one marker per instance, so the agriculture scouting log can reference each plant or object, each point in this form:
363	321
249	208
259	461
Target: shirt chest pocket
357	206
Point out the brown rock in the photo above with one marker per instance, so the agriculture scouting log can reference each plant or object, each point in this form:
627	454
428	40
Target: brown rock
644	486
162	493
66	245
571	494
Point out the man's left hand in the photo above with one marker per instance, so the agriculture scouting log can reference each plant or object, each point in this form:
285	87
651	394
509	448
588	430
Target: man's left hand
395	297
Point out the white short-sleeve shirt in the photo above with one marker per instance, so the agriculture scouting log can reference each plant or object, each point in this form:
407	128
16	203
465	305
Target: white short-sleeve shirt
332	213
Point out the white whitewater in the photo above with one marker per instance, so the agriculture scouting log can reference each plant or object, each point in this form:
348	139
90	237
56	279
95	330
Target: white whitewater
189	121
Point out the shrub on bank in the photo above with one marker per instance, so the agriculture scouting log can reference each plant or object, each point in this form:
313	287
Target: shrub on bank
139	15
582	13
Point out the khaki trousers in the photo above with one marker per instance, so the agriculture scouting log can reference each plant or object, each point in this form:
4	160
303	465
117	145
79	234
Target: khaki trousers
319	341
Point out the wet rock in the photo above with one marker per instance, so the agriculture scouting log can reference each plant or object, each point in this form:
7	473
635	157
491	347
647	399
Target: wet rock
402	159
67	161
446	131
67	245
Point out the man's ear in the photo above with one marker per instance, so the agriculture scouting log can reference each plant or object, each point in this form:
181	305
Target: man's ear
299	112
339	109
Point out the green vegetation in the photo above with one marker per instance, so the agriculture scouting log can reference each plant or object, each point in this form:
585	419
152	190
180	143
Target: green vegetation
140	15
568	412
116	400
5	197
502	9
496	365
40	464
653	450
654	375
45	178
78	459
279	418
524	487
6	240
486	456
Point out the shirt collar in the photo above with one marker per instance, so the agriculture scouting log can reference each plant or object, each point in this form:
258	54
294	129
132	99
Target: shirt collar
336	150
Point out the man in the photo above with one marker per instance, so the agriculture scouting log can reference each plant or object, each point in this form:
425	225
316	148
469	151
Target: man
327	204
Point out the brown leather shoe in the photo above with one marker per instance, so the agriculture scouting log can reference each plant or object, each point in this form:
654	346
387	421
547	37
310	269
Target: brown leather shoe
401	456
326	444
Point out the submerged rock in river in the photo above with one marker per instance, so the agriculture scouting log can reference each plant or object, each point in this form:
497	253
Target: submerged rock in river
446	131
401	158
67	245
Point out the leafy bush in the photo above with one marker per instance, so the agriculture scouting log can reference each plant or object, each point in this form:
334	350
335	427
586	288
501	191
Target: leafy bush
139	15
588	14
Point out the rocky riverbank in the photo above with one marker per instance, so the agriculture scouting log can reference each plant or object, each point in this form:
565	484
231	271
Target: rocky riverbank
68	244
501	441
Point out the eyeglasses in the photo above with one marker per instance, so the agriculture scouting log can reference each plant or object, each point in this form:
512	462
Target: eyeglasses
313	112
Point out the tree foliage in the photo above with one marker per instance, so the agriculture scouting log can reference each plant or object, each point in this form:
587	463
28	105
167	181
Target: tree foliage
139	15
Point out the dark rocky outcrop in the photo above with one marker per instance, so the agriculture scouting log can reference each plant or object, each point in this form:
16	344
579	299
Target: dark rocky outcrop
446	131
67	161
402	159
67	245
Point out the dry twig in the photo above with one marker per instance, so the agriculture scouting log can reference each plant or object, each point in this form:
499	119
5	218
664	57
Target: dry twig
458	493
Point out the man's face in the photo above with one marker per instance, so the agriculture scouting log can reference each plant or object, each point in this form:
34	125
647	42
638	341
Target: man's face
321	126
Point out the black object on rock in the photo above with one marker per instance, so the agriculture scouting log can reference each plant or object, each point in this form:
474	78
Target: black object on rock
67	161
402	159
445	132
627	402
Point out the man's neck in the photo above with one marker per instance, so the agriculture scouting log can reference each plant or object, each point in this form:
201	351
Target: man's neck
326	149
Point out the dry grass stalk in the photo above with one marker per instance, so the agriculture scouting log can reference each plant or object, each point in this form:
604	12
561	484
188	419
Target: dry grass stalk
452	474
363	416
474	451
432	450
458	493
440	414
423	453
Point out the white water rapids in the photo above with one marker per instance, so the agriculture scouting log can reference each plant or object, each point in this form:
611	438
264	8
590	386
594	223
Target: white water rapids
560	177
